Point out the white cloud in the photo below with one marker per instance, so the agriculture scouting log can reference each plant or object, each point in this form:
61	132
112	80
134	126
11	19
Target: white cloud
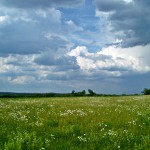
79	50
128	1
21	79
85	63
103	15
141	53
72	27
41	13
6	67
115	60
25	33
4	19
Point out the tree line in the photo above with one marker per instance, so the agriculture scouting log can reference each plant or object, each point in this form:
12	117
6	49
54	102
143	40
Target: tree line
90	92
72	94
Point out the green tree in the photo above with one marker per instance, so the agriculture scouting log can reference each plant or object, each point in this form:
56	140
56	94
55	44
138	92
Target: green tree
73	91
91	92
146	91
83	92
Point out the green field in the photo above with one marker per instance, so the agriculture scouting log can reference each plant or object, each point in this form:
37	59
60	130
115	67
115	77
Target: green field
75	123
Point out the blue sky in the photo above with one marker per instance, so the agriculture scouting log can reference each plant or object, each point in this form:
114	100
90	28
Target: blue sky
65	45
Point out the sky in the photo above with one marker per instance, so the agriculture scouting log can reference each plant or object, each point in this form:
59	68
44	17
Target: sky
65	45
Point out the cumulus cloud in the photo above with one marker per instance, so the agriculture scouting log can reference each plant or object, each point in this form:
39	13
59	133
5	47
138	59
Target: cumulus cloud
114	60
60	62
129	20
55	55
72	27
16	65
4	20
25	32
21	79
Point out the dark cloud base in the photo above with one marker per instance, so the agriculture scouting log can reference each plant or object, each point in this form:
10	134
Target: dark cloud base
40	3
131	19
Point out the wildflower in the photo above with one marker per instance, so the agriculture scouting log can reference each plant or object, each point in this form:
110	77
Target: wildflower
82	139
119	146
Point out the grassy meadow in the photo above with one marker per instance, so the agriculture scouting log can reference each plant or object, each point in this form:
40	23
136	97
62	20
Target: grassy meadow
75	123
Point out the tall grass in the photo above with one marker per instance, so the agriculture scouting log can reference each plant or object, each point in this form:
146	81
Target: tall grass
83	123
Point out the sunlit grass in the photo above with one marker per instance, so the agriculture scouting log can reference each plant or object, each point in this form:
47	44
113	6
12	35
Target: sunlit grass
86	123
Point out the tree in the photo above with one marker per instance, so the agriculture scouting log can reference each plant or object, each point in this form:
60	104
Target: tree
73	91
83	92
91	92
49	95
146	91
